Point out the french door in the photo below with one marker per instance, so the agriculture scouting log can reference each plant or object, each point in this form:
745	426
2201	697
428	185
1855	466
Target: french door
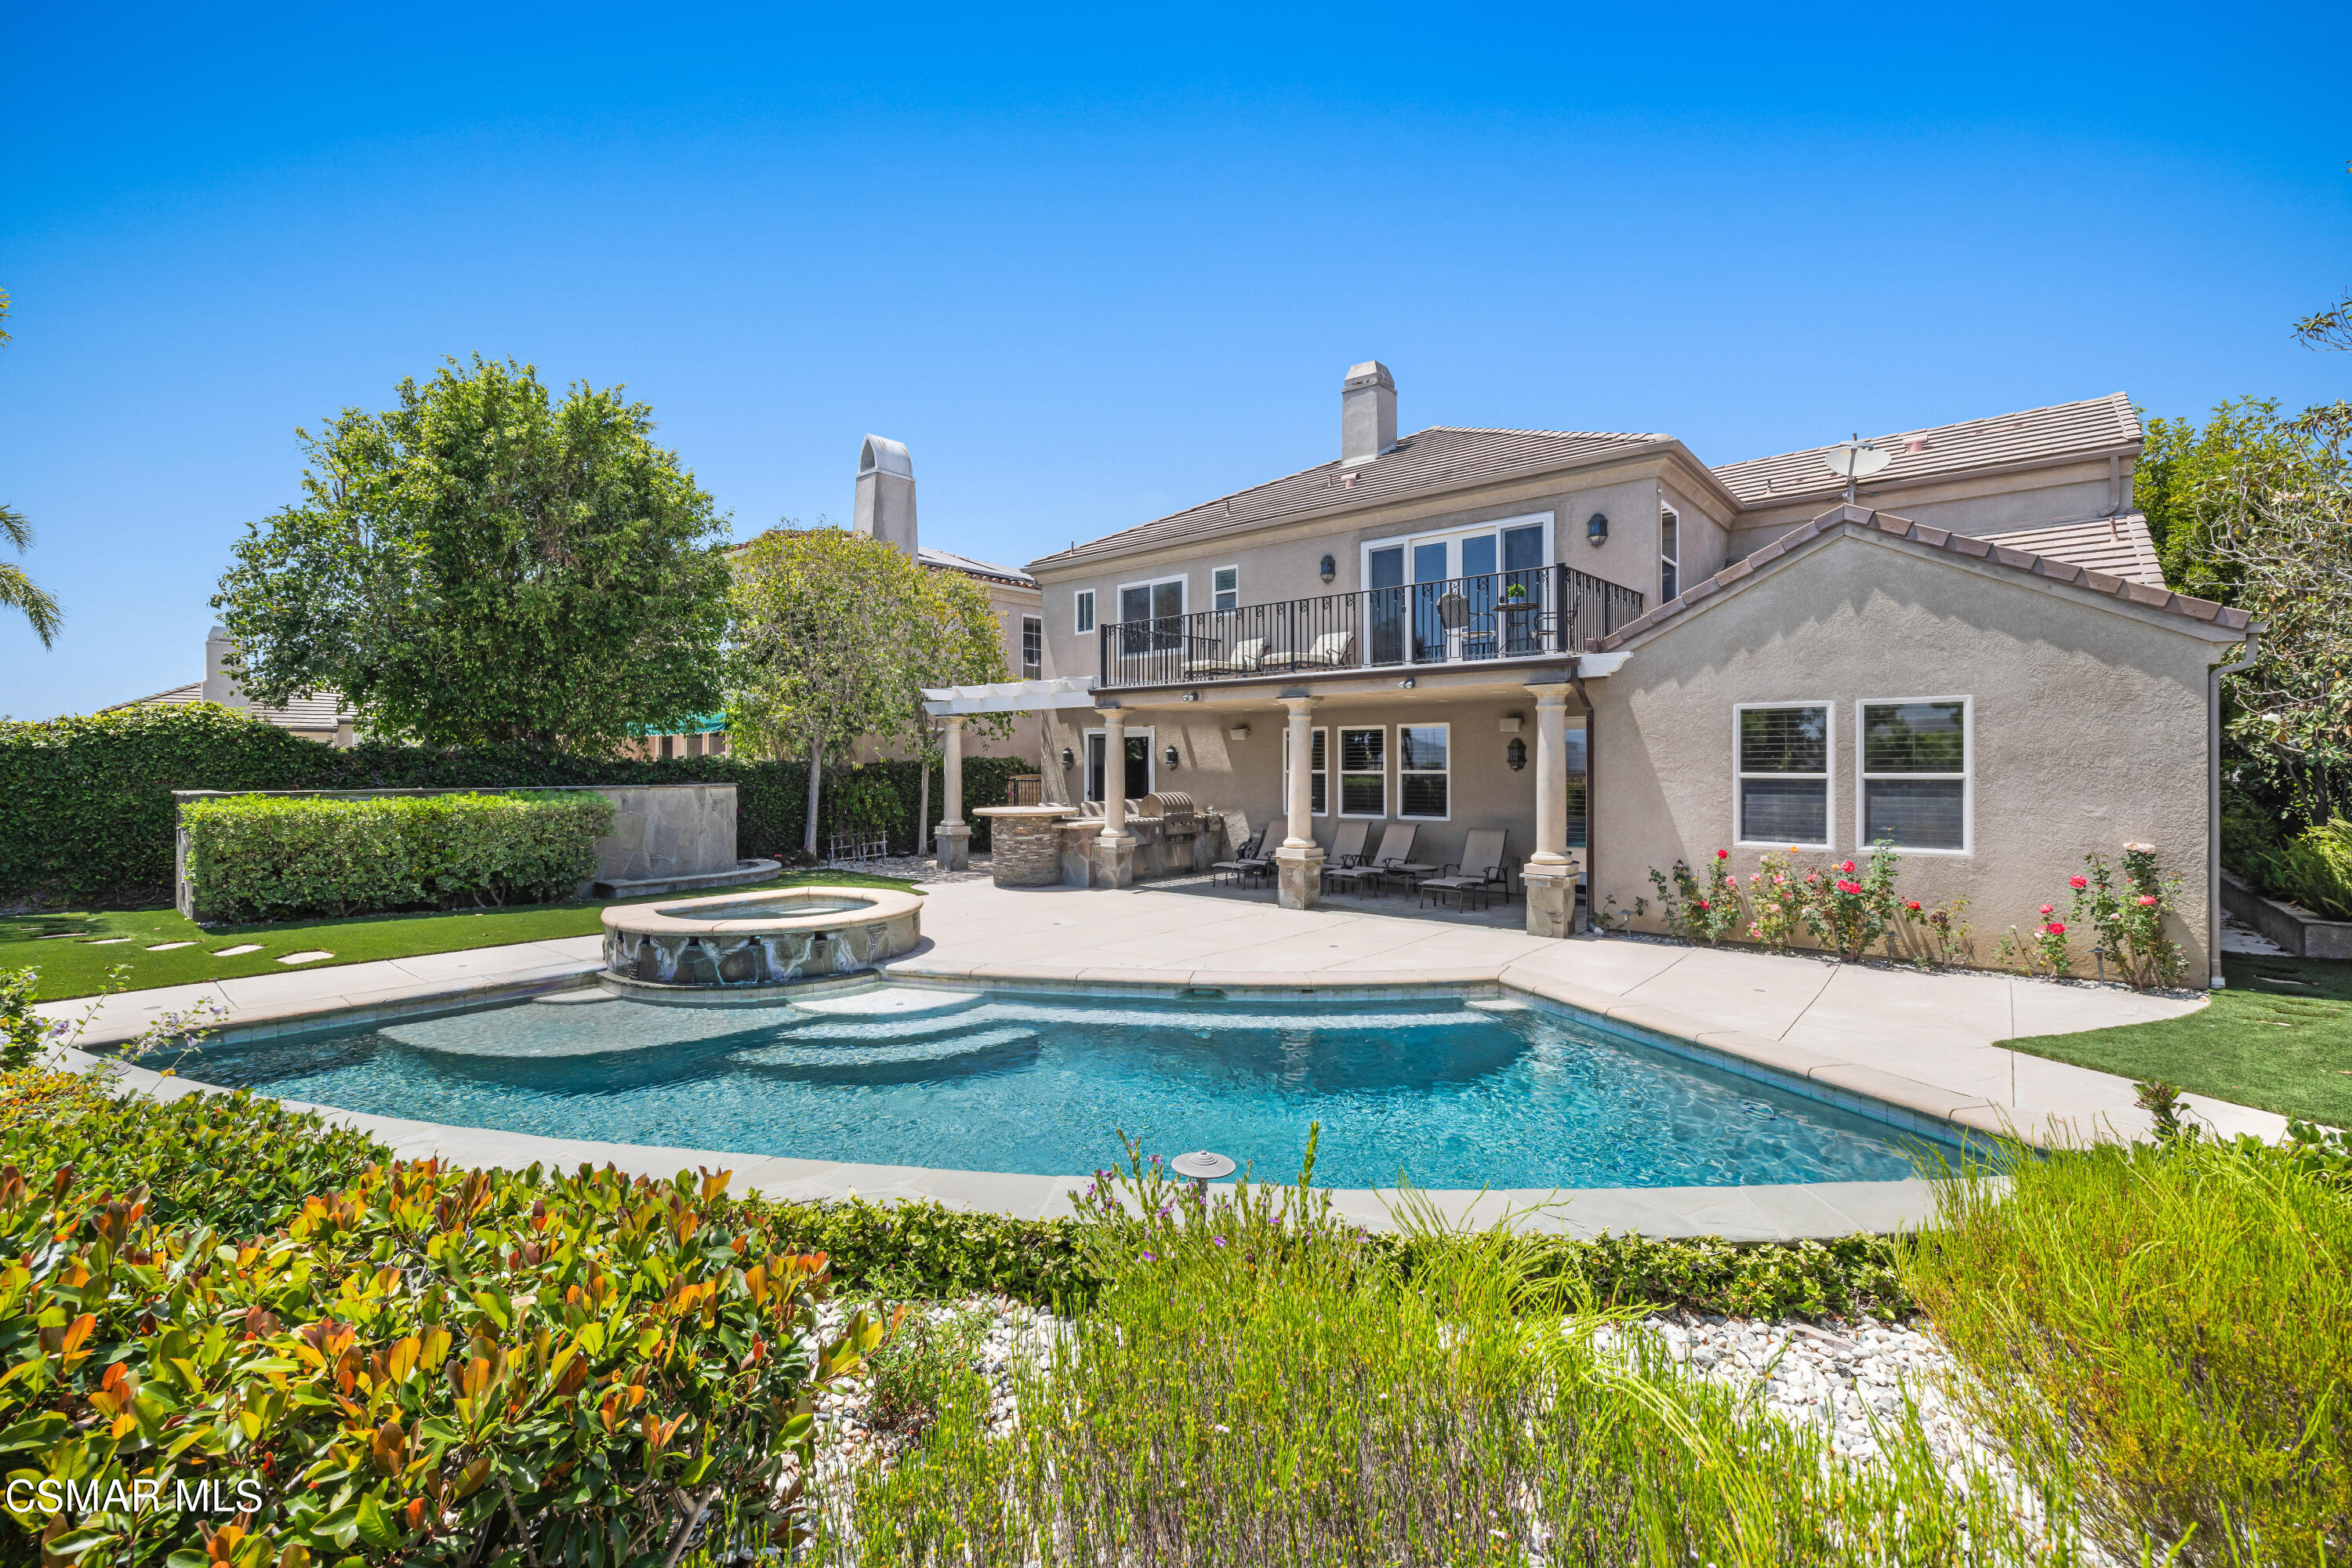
1137	774
1438	597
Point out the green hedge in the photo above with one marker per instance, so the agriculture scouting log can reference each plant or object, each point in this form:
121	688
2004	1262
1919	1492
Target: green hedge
88	799
266	857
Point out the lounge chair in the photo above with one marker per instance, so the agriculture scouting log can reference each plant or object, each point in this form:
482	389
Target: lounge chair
1249	654
1347	848
1396	850
1330	651
1246	863
1484	869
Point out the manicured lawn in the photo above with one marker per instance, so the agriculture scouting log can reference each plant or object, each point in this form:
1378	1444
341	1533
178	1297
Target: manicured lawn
2280	1037
73	950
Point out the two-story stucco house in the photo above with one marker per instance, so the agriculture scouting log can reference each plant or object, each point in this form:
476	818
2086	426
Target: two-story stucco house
1620	655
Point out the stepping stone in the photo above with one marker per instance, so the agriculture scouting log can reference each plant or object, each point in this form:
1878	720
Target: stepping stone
60	935
241	947
168	946
308	955
106	941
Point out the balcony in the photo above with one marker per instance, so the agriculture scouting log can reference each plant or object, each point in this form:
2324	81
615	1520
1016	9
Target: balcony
1549	610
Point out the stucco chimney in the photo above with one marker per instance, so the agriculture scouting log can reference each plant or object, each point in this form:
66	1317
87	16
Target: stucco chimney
218	686
1367	413
886	493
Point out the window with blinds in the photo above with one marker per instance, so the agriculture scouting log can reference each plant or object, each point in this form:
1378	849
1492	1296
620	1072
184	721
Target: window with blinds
1915	773
1783	776
1364	772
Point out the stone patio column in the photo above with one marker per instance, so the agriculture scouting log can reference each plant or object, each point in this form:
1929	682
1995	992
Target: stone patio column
953	833
1298	864
1550	875
1113	854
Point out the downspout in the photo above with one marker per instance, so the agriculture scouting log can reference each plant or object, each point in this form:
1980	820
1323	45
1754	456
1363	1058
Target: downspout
1592	818
2213	802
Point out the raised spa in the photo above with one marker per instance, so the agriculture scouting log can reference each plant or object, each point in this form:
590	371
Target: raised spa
703	948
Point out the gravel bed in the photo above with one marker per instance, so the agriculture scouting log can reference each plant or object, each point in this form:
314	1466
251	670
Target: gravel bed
848	1440
911	868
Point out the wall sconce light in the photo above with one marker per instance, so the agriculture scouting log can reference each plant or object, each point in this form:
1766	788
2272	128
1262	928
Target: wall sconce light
1191	697
1330	568
1596	528
1069	758
1518	753
1238	733
1171	756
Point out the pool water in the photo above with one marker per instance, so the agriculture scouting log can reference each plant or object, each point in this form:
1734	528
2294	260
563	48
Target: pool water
1444	1093
763	908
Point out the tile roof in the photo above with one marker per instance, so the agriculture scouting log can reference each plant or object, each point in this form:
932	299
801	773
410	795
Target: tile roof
1439	458
2119	546
317	710
951	562
2090	428
2151	596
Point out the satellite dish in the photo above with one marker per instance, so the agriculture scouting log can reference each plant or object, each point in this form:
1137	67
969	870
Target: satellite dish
1856	459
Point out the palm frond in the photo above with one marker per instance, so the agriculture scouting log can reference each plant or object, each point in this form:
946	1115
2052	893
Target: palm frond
18	592
13	527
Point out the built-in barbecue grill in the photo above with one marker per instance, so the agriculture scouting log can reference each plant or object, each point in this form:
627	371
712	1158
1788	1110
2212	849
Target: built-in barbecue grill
1175	810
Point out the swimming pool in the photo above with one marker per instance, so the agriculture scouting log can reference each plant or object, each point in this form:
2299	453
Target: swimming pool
1447	1093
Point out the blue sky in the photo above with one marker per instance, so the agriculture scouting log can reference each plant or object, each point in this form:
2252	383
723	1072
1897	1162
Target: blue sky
1092	269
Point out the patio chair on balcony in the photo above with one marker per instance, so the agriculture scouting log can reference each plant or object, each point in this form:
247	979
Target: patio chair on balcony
1347	849
1396	852
1483	872
1248	655
1330	651
1247	864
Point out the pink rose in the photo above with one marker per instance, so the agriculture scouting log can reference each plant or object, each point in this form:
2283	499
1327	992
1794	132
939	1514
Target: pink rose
2147	900
2057	927
2047	911
1846	867
1845	887
2078	882
1702	903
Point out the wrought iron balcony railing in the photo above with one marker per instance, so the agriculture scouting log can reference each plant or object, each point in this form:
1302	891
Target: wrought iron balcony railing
1462	620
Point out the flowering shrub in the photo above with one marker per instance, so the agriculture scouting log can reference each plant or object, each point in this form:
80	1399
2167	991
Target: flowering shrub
2127	919
1848	909
1776	900
426	1367
1938	940
1700	911
2049	940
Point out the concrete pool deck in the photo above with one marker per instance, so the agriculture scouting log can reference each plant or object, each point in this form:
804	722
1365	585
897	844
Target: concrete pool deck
1892	1042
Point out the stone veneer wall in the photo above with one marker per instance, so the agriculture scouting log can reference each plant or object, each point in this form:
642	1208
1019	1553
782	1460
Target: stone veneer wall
1027	852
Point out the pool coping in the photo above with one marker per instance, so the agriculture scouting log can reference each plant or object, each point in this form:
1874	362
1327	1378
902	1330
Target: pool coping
1774	1212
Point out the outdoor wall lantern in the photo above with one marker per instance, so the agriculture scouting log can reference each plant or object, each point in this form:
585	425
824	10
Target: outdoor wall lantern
1069	758
1596	528
1330	568
1518	753
1171	756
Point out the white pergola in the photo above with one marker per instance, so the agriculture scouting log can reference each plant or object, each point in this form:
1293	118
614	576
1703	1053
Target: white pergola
951	705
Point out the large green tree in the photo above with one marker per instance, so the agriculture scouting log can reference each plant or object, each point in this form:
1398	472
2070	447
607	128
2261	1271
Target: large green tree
958	643
17	590
829	646
485	563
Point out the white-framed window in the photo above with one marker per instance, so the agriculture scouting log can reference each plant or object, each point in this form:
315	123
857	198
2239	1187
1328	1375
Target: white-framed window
1781	755
1364	771
1032	647
1670	553
1425	773
1914	767
1083	613
1226	588
1153	615
1142	769
1319	774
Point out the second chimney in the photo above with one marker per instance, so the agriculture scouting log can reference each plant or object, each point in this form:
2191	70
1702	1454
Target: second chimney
1367	413
886	494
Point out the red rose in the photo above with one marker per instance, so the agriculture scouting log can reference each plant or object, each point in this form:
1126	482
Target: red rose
1845	887
1702	903
1722	854
1913	905
2078	881
1846	867
2057	927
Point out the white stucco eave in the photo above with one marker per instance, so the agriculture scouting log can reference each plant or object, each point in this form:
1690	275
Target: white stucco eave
1010	696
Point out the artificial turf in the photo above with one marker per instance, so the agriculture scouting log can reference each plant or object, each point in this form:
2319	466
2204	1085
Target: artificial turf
2279	1038
74	951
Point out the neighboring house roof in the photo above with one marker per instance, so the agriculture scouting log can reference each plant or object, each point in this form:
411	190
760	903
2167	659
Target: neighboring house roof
949	561
1440	457
1991	551
2119	546
319	710
2024	439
